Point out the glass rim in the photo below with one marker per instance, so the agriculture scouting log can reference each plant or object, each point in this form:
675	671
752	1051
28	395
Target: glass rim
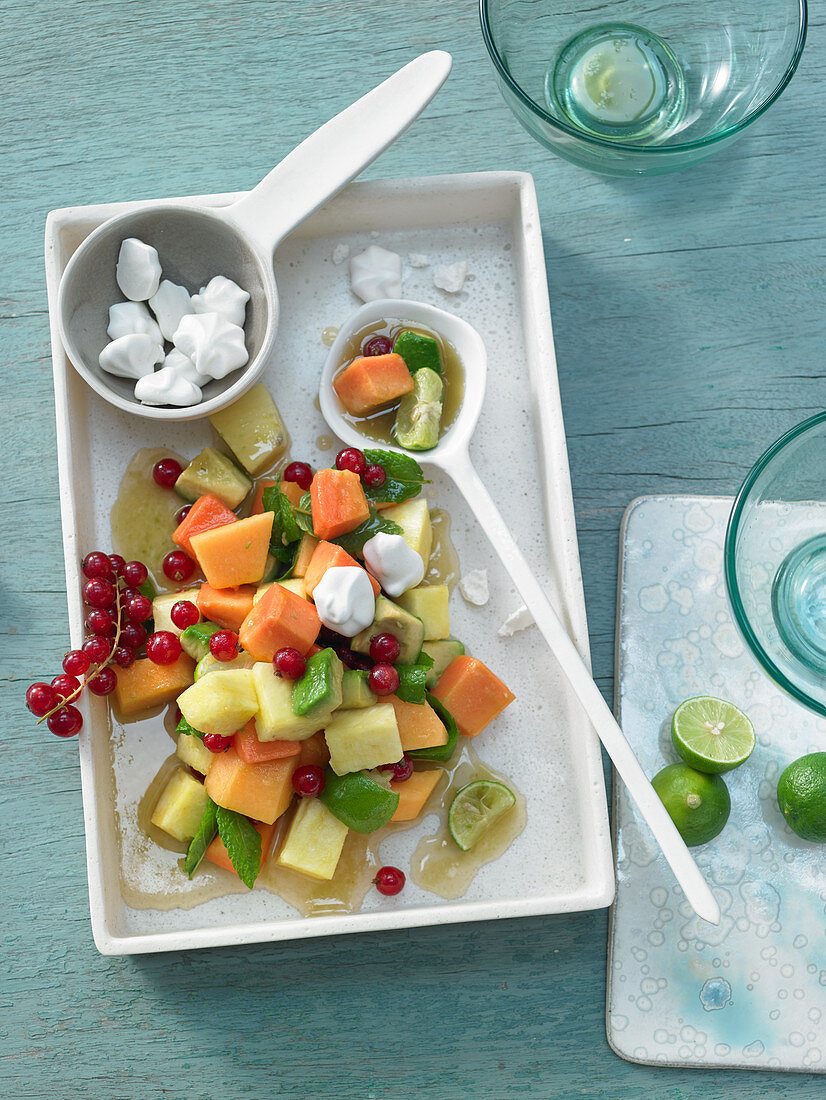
741	619
645	150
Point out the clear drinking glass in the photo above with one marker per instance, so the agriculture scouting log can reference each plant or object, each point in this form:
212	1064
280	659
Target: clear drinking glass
775	562
639	87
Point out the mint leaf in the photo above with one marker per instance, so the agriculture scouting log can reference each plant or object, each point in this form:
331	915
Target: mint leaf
304	514
404	477
442	753
202	839
411	687
184	727
353	542
285	529
242	842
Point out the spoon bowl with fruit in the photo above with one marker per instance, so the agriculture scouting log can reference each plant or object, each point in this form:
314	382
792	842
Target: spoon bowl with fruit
451	455
238	241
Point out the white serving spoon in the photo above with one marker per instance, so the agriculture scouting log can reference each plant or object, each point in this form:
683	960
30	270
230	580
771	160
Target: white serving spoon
197	242
451	456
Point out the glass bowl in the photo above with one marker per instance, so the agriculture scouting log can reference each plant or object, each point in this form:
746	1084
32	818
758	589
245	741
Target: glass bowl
655	88
775	562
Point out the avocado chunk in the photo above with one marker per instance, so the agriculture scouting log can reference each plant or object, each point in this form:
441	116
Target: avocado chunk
361	800
195	639
355	694
442	653
418	351
212	472
391	619
419	415
253	429
319	689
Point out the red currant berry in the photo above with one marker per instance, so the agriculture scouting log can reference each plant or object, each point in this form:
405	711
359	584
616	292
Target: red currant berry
178	566
133	636
289	663
308	781
166	472
117	563
65	686
40	698
104	682
163	647
383	679
223	645
402	769
97	648
100	621
138	609
374	476
128	593
65	722
300	473
216	743
389	881
351	458
97	564
123	656
350	659
99	593
76	662
385	648
184	614
135	573
377	345
182	513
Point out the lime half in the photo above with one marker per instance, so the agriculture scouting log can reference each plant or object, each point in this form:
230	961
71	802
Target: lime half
712	735
801	795
698	804
475	807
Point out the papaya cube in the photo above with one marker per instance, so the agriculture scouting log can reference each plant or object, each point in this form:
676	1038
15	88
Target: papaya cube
363	738
221	702
314	841
472	693
372	381
236	553
339	503
329	556
414	792
145	684
276	719
254	751
181	806
280	618
419	725
207	512
194	752
228	607
260	791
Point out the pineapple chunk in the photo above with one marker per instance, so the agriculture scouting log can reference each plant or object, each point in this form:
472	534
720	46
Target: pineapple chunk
181	806
429	602
162	606
364	738
194	752
276	720
414	519
314	841
208	664
253	429
221	703
292	584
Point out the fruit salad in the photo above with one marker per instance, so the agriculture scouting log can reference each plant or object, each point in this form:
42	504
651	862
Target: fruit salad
317	688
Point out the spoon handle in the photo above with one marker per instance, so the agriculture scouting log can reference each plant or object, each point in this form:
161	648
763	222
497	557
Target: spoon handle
686	871
329	158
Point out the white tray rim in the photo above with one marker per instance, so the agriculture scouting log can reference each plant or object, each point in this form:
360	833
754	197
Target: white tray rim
598	891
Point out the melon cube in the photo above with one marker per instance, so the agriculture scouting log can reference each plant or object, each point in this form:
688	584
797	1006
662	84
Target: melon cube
363	738
162	607
276	720
314	841
194	752
220	703
429	602
181	806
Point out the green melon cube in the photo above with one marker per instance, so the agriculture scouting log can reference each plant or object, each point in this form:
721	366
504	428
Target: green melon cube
276	720
314	841
414	519
220	703
363	739
253	429
430	604
162	606
181	806
194	752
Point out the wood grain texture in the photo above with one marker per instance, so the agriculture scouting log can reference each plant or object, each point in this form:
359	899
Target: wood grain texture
689	321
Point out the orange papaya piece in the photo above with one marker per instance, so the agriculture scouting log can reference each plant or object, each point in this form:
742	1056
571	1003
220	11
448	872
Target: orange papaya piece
217	853
279	619
207	512
419	725
258	497
228	607
472	693
372	381
260	791
235	554
338	502
327	556
414	792
253	751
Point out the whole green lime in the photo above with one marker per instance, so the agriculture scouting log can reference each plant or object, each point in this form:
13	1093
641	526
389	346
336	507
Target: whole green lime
698	804
801	795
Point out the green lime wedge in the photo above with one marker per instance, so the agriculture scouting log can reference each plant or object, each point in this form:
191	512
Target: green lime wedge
712	735
420	413
475	807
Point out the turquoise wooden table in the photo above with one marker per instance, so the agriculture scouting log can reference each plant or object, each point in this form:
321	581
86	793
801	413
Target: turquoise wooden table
689	321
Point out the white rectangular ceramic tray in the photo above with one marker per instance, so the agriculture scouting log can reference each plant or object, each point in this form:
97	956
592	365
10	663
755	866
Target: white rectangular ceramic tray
562	861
